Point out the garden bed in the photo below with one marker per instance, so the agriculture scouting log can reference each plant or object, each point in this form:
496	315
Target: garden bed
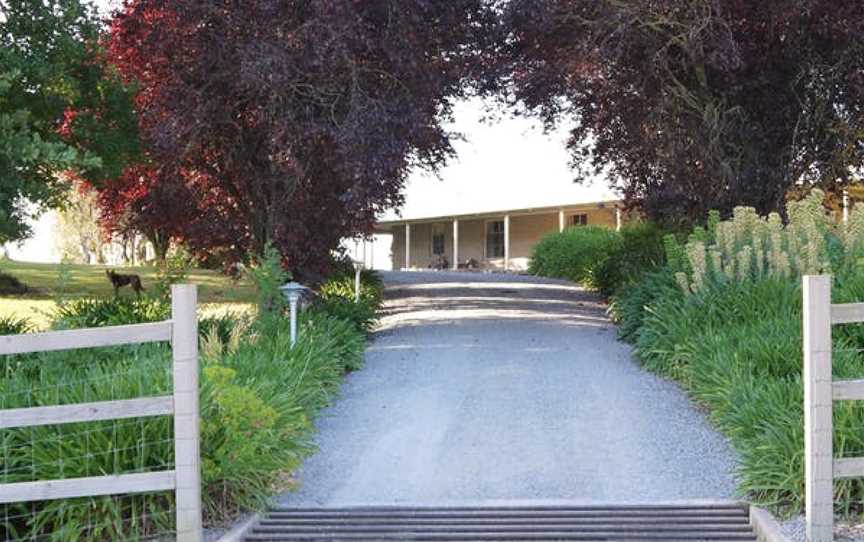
721	314
259	397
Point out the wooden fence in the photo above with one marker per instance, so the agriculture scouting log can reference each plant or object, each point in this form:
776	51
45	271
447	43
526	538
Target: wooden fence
185	479
820	392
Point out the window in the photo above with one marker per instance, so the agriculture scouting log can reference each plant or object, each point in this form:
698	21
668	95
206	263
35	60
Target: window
577	220
437	241
495	239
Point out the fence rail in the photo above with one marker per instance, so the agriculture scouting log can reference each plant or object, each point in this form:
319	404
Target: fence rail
185	478
85	338
87	412
848	390
94	486
820	392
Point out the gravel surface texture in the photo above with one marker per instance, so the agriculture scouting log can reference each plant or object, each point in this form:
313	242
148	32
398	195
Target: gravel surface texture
844	530
493	388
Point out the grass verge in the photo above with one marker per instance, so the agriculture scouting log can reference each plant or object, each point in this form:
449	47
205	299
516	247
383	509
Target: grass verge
90	281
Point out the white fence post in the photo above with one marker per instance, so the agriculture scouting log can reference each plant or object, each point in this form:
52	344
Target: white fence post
184	344
818	408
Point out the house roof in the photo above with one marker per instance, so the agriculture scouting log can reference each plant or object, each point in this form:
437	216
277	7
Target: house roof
385	225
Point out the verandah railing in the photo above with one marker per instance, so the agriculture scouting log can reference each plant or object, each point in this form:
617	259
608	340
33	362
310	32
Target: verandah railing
185	478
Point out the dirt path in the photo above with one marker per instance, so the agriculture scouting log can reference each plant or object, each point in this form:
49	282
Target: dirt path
483	388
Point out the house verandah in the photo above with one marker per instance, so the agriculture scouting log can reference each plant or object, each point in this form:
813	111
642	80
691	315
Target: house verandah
500	240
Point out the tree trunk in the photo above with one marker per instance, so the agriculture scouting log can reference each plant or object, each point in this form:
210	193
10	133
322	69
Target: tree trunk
85	253
161	244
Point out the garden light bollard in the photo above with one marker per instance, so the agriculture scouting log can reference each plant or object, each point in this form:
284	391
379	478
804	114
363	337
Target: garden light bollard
292	292
358	267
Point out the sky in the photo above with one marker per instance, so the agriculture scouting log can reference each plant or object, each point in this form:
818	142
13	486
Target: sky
507	164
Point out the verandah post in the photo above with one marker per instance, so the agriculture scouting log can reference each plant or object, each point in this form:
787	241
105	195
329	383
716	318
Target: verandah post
187	464
818	408
506	242
455	243
407	246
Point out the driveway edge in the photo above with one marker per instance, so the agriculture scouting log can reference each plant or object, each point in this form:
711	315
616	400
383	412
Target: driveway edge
766	527
237	533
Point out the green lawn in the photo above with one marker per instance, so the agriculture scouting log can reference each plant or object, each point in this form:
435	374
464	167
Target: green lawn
216	292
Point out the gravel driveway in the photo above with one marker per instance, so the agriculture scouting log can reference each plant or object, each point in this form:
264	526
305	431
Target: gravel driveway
490	388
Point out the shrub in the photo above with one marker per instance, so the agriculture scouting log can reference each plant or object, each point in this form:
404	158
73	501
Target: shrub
224	325
638	251
339	339
93	312
268	275
341	285
361	314
174	270
748	246
336	298
326	348
629	306
248	438
575	254
723	317
86	312
600	258
264	396
10	285
10	325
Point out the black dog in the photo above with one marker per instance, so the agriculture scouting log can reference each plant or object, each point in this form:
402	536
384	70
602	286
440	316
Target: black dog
118	281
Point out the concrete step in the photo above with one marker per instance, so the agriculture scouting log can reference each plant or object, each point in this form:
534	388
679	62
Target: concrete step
714	522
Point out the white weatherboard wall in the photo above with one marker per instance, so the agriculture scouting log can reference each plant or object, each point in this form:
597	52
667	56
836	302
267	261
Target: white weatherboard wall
374	253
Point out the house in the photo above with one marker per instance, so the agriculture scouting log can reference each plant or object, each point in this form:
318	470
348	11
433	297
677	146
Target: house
509	183
498	240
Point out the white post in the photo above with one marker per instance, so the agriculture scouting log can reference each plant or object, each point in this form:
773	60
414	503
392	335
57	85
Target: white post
560	220
407	246
455	243
357	284
617	218
818	404
292	308
372	253
506	242
187	465
364	253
